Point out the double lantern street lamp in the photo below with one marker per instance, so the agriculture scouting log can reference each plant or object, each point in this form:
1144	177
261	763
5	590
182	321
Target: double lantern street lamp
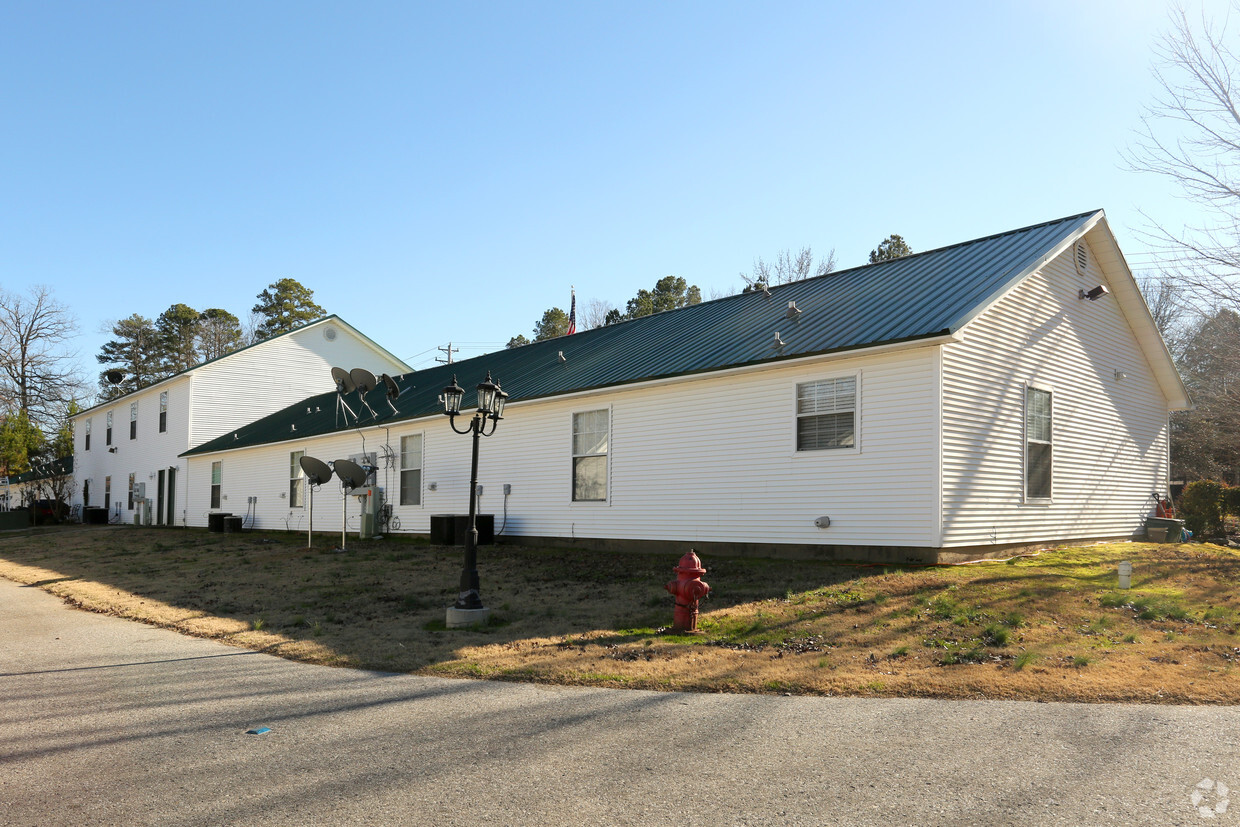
468	608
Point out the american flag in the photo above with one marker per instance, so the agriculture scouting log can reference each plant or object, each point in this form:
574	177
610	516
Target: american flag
572	316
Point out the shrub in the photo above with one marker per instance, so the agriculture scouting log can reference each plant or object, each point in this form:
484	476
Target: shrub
1201	506
1231	501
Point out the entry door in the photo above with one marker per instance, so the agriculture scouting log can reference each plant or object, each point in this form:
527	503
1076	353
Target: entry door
172	496
159	500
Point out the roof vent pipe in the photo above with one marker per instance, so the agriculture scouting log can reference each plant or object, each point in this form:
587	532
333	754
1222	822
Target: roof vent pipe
793	310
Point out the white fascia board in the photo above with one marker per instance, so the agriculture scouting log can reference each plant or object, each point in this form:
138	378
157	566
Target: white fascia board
1127	295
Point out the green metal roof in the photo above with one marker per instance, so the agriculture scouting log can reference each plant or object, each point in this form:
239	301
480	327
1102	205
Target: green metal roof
915	297
43	470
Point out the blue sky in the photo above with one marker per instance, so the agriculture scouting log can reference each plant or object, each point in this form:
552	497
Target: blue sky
445	172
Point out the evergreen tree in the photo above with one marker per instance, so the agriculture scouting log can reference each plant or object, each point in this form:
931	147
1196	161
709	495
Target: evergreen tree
283	306
219	333
134	352
176	335
20	441
554	322
517	341
670	292
889	248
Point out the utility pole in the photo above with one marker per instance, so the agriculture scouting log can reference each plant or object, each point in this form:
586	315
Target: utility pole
448	350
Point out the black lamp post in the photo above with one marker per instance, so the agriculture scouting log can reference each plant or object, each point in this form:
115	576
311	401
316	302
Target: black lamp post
490	410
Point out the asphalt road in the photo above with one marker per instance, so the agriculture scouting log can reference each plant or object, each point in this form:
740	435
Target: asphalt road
104	721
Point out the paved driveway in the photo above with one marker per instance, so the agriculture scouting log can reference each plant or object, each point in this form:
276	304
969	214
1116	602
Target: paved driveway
104	721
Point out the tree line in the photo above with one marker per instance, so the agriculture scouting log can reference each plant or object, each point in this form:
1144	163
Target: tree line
41	389
671	292
39	385
143	351
1191	137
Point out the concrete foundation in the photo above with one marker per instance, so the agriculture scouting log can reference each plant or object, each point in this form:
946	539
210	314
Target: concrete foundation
462	618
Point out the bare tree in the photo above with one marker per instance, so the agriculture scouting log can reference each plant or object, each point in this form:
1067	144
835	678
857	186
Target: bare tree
1168	307
595	314
788	266
1191	136
37	375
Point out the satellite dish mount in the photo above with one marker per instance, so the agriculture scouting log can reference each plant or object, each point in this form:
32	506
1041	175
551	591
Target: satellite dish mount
317	472
351	476
365	382
344	384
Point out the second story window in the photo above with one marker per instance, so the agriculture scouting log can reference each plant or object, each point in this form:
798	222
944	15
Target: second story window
87	432
108	433
163	412
133	420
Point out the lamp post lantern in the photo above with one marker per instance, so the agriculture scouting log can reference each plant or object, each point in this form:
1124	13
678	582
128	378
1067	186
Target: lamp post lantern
468	608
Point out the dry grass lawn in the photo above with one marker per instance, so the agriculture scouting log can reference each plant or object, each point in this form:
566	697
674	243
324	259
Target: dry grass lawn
1050	627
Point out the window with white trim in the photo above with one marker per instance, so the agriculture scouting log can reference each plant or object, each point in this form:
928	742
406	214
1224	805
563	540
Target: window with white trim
108	440
217	478
163	412
411	469
827	414
107	493
590	445
131	480
87	448
296	480
133	420
1038	443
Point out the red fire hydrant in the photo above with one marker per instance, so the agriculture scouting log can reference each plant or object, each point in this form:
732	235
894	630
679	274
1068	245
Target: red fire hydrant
688	588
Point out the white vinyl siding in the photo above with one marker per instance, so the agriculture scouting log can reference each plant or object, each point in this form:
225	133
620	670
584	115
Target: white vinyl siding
296	480
827	414
1109	435
411	469
590	446
205	402
734	477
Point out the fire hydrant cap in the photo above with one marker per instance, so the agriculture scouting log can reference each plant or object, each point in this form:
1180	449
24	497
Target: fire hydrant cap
690	564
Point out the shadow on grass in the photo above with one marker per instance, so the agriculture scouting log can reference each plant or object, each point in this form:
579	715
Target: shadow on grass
380	605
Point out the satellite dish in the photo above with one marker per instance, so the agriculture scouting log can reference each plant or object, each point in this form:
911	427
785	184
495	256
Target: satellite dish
363	379
317	471
114	376
350	473
393	391
344	383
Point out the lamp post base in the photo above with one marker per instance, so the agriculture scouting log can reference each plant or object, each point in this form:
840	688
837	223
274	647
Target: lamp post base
461	618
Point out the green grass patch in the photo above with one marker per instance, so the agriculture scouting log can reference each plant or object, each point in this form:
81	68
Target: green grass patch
1025	658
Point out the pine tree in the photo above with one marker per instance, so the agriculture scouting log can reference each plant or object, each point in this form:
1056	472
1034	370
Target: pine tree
283	306
134	352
